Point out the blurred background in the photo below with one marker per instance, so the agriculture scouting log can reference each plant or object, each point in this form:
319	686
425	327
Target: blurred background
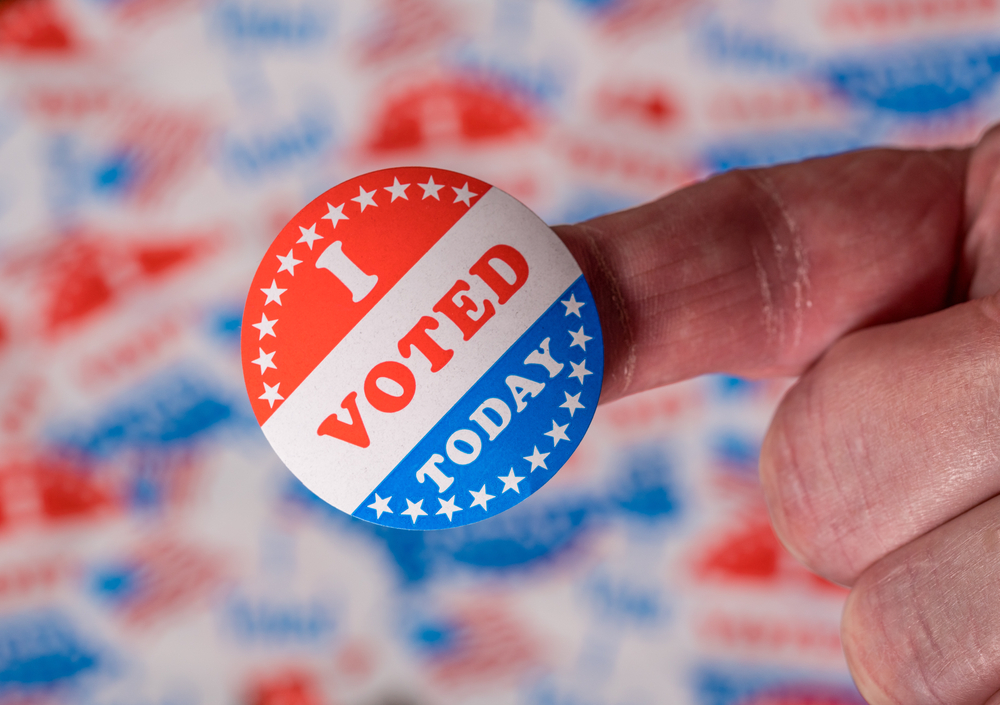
154	551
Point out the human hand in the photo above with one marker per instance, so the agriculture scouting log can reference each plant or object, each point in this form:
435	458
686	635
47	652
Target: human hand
874	275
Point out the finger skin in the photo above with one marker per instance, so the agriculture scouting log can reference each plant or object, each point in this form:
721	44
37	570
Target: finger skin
757	272
892	433
761	273
980	265
921	626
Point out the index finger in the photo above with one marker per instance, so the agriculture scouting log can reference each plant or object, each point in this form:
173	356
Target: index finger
755	273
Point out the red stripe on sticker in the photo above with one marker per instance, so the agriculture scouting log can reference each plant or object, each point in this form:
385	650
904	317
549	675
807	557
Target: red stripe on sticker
333	262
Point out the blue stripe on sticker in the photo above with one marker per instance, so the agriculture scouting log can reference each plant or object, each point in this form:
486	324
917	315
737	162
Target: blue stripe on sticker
510	433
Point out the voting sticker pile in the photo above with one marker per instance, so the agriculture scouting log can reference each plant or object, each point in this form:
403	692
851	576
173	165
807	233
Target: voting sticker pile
155	155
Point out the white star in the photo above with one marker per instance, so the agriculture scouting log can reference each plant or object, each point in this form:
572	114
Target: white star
464	194
398	190
265	327
579	338
273	293
580	371
431	189
365	199
265	360
380	505
270	394
572	403
335	215
510	482
288	263
309	236
448	507
572	306
480	498
413	510
537	459
558	433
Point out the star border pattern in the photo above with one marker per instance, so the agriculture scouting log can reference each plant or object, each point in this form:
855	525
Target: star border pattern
536	458
307	237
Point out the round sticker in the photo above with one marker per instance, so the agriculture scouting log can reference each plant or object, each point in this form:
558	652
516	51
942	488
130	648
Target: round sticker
420	349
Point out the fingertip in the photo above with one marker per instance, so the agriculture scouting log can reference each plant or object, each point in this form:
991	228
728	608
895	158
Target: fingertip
865	664
599	260
988	142
767	469
982	162
775	459
803	504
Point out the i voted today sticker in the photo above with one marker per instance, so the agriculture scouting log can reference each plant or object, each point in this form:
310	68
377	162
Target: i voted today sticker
420	349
